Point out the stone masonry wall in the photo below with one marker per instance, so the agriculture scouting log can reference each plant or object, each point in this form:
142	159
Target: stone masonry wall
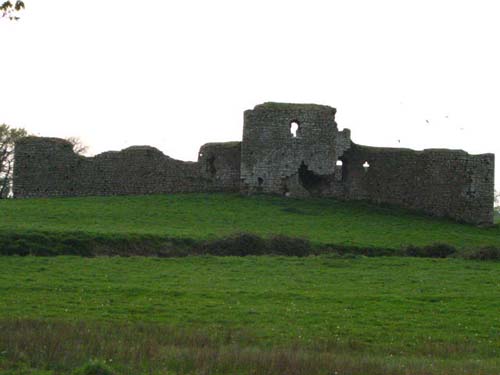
48	167
271	155
449	183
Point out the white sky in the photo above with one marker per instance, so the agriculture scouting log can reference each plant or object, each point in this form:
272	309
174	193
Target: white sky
177	74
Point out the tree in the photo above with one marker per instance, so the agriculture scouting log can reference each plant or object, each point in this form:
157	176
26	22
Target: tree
11	11
497	202
8	138
78	146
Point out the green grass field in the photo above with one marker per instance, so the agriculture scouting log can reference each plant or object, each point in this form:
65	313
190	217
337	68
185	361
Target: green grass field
326	314
209	216
421	311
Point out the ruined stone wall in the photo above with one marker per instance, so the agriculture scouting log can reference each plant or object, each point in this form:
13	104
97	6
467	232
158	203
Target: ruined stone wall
272	155
220	164
315	159
48	167
322	161
449	183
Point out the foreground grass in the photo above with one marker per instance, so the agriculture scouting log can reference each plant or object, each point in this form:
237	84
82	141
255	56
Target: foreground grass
361	315
210	216
60	347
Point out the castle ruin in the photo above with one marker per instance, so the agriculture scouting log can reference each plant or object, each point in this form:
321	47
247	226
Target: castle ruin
293	150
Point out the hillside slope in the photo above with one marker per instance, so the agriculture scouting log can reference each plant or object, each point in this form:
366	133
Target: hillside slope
210	216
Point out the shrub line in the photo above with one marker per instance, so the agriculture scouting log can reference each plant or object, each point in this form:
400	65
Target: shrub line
238	244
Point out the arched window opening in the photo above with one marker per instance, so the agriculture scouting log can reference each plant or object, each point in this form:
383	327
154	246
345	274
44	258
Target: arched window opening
366	166
294	128
339	170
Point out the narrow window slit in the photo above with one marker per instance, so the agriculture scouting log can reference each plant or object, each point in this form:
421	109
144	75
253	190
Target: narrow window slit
294	128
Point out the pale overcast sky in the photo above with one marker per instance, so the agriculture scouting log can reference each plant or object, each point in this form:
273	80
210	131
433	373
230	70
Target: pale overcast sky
177	74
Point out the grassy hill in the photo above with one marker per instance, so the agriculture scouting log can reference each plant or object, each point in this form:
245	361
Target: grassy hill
210	216
322	314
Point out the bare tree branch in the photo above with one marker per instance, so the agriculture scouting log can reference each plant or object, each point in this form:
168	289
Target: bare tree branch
11	10
8	138
5	188
78	146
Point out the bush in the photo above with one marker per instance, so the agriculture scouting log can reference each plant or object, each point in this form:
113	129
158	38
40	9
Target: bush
243	244
484	253
350	250
94	367
283	245
240	244
439	250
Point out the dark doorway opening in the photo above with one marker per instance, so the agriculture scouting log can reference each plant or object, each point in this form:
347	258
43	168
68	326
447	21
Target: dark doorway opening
315	184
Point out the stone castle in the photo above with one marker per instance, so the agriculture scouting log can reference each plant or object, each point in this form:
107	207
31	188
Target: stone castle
294	150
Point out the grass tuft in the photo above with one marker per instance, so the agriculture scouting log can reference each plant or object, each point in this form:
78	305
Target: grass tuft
94	367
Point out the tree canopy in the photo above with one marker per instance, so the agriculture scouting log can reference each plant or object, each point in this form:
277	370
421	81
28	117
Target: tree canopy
8	138
11	10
